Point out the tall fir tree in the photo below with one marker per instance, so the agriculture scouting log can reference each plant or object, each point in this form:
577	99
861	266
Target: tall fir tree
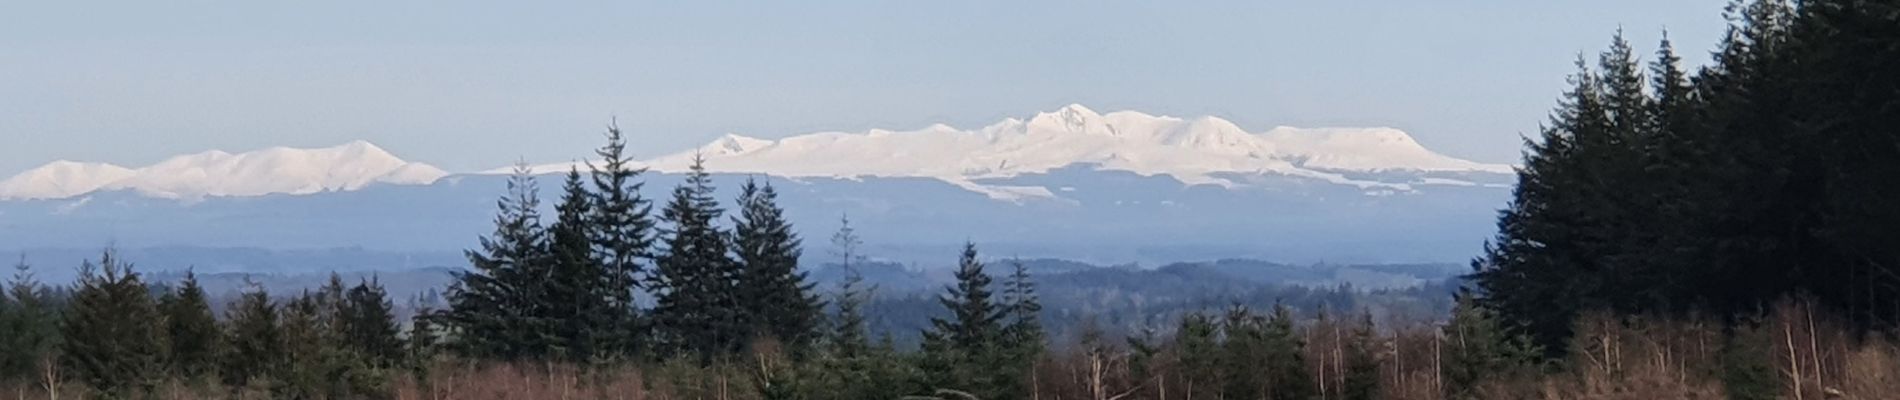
773	290
191	330
31	321
255	351
621	226
112	338
966	350
697	311
367	324
578	296
1362	380
491	309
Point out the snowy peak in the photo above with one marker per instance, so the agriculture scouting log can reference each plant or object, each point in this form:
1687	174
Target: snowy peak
61	179
277	170
1195	150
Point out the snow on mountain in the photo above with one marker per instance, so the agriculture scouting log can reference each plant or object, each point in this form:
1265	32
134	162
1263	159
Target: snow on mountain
277	170
1193	150
62	179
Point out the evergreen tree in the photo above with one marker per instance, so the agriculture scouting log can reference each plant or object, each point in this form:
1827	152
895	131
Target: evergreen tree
1198	344
1022	342
303	342
1477	347
697	311
773	291
578	302
367	326
191	329
30	319
621	225
255	353
491	311
1362	362
966	350
112	337
849	339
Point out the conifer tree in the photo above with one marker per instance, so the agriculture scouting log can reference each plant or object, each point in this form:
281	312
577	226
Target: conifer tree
1023	335
1477	347
112	340
583	321
773	291
1362	362
621	224
191	329
491	311
306	370
697	312
30	320
849	339
255	353
1198	344
966	349
367	324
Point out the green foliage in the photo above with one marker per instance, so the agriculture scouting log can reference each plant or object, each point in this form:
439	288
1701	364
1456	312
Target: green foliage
1476	348
968	351
621	225
577	309
1362	361
773	292
491	312
367	326
112	340
29	324
255	351
191	330
695	283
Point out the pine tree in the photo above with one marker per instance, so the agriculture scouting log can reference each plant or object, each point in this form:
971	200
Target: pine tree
191	329
966	349
1022	340
368	326
697	311
30	321
578	301
256	352
1199	354
1477	347
621	225
491	311
849	339
112	337
1362	362
1540	270
312	367
776	295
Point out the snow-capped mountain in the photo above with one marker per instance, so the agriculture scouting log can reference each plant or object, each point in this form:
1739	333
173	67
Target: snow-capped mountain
1194	150
277	170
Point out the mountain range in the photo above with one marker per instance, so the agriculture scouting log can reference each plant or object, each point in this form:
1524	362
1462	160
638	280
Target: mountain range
1073	183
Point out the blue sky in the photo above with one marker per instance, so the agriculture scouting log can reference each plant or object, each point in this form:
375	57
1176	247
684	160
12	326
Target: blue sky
473	85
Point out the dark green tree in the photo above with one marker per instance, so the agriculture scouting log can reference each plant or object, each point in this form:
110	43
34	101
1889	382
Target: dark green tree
113	342
774	292
966	351
30	319
1477	347
622	229
255	350
367	325
491	311
1362	362
194	334
697	311
578	296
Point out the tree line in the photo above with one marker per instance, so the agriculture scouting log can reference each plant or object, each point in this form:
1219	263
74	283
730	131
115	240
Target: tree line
1768	173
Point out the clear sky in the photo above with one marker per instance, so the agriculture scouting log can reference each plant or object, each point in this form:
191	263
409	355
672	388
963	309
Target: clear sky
472	85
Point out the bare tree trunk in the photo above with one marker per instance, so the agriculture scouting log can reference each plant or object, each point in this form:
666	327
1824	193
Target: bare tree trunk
1794	362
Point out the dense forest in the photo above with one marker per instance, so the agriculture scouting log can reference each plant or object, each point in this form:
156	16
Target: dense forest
1723	232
